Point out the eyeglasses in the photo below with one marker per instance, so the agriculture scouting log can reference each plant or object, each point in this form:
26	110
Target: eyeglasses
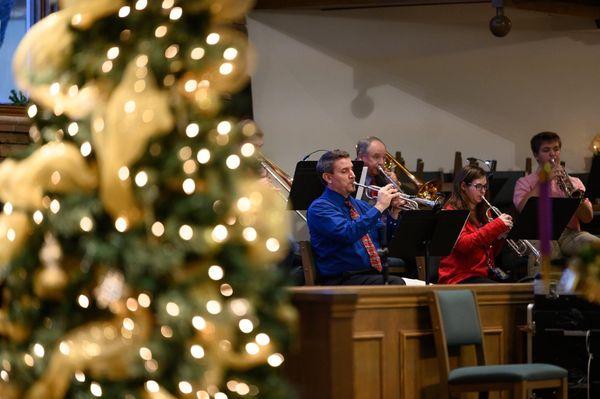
479	187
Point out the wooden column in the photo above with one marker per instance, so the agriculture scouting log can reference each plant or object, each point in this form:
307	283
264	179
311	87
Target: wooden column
321	363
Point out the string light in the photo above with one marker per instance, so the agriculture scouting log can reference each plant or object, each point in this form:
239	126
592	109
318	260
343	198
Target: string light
197	53
213	39
166	331
215	272
130	106
166	4
272	244
220	395
86	148
244	204
242	389
185	387
171	51
158	229
175	14
141	179
96	389
107	66
55	177
226	68
224	127
83	301
189	166
239	307
79	376
226	290
252	348
123	173
141	4
203	156
38	217
199	323
124	11
11	235
8	208
262	339
73	129
160	31
152	386
28	359
246	326
172	309
112	53
145	353
186	232
230	53
86	224
144	300
247	149
32	110
189	186
38	350
132	304
192	130
185	153
233	161
275	360
190	85
197	351
121	224
219	233
213	307
64	348
54	206
54	88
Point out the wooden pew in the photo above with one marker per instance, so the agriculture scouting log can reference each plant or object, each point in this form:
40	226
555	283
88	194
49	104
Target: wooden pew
376	342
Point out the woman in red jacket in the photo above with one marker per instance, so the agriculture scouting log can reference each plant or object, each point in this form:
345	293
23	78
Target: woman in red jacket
480	239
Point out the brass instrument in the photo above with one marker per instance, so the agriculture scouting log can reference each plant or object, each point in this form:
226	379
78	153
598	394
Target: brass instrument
565	184
284	180
427	202
427	190
411	204
519	247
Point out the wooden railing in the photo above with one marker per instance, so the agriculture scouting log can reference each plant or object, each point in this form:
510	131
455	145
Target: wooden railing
377	342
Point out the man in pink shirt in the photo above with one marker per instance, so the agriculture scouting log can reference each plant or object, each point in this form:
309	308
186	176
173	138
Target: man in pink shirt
546	146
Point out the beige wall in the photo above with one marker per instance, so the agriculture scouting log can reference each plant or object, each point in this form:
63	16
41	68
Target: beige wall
428	80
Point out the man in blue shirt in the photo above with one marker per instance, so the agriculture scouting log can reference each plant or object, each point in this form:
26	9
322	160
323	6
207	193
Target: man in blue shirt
344	230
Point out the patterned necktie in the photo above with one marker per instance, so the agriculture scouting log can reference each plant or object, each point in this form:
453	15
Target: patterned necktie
366	240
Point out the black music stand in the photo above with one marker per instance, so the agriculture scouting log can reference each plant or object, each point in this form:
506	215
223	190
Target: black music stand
307	185
526	227
427	233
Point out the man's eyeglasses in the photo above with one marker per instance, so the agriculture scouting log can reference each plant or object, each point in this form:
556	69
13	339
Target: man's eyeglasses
479	187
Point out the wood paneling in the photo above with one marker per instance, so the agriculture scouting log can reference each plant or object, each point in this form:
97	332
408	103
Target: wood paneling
377	341
14	130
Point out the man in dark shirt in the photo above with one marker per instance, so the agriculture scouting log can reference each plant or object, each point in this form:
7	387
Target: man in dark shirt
344	230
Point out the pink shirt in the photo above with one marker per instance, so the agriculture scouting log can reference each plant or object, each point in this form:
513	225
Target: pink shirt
527	183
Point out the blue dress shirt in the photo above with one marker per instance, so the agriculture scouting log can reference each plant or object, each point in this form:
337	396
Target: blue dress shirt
335	236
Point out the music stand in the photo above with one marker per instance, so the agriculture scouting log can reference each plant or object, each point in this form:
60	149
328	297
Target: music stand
502	186
307	185
526	227
427	233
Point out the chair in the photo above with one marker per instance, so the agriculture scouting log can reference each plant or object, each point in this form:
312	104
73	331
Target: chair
311	274
455	321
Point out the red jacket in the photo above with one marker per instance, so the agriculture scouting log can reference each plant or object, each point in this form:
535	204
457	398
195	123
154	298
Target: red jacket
469	258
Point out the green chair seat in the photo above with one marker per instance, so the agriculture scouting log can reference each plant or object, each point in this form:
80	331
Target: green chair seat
506	373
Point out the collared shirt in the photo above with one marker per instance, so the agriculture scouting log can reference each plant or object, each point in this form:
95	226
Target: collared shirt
336	237
527	183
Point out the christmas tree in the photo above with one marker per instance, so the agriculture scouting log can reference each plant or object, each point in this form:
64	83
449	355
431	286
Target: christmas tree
137	251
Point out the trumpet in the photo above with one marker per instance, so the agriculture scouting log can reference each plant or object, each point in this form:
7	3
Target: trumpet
519	247
427	202
565	184
412	202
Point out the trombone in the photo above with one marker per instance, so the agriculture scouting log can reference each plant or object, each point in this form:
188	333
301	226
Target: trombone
427	190
519	247
280	177
427	202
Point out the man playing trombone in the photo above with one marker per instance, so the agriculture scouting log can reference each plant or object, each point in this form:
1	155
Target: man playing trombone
372	151
344	230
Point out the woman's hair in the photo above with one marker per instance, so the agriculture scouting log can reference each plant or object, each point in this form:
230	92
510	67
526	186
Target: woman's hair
458	199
